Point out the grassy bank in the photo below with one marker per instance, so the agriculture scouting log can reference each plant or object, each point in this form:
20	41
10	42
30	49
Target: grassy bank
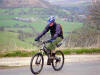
17	53
65	51
81	51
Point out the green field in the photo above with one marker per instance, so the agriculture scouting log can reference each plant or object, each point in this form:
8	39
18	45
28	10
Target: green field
10	41
40	24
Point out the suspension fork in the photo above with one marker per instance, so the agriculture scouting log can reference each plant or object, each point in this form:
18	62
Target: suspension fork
37	60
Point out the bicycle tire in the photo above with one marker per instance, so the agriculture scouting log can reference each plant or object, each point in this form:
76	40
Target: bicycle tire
31	63
53	63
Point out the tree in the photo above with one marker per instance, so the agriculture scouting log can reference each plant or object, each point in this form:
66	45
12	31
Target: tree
94	18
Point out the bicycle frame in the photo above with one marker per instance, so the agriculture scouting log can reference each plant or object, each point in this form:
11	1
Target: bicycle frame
44	49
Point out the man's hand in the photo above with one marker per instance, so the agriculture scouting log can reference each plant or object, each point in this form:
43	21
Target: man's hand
50	40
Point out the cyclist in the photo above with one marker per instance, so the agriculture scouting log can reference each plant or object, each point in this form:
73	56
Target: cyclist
56	35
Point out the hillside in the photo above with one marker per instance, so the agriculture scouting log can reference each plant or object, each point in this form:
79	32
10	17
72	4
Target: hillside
23	3
78	7
19	26
68	2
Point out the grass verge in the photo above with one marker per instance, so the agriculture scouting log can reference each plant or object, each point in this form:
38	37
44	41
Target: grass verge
17	53
65	51
81	51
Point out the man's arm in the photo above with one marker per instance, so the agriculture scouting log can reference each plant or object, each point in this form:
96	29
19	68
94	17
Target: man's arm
43	33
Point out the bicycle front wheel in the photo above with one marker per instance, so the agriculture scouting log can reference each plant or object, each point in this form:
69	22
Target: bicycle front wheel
58	61
36	63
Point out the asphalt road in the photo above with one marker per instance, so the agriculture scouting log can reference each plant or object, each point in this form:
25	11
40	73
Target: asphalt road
85	68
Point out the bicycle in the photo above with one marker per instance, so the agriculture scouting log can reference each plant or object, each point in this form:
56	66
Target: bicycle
37	60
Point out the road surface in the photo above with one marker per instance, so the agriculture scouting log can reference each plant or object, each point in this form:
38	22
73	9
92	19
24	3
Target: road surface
83	68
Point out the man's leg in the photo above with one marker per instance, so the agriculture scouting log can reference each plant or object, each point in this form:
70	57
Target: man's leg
49	46
56	41
52	46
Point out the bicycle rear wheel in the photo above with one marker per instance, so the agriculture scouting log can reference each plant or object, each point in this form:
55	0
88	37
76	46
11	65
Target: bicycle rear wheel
58	61
36	63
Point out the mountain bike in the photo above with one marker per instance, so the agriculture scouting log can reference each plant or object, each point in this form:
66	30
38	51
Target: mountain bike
37	60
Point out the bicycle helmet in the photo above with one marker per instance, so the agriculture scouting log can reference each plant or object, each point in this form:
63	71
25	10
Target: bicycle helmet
51	19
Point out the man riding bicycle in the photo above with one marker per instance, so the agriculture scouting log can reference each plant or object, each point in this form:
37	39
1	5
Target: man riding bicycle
56	34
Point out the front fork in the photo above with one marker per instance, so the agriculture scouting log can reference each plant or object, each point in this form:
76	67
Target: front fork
38	60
